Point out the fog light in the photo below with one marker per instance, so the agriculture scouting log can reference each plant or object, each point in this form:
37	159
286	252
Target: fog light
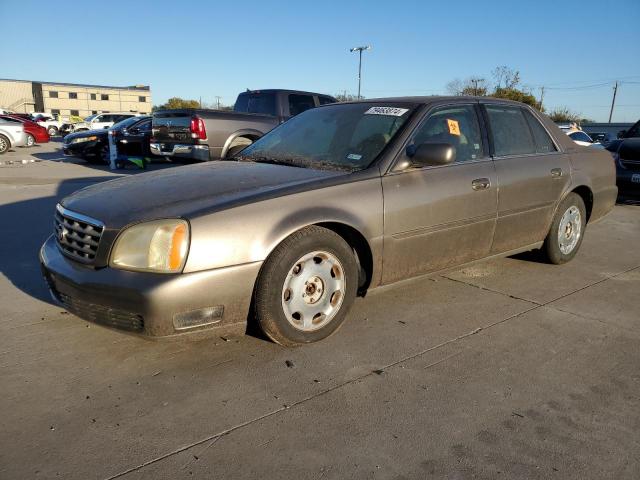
198	318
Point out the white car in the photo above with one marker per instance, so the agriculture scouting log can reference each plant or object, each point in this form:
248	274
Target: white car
11	135
580	137
101	121
48	121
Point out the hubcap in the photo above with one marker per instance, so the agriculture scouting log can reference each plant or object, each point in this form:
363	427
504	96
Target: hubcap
569	230
30	140
3	145
313	291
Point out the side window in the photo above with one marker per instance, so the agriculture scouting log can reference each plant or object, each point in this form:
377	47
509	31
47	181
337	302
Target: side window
144	126
100	118
325	100
544	144
510	131
458	126
300	103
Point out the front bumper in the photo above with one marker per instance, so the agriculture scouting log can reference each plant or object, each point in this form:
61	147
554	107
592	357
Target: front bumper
195	152
82	149
151	304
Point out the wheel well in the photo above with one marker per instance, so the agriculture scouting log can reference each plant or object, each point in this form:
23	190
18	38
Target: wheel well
362	249
587	198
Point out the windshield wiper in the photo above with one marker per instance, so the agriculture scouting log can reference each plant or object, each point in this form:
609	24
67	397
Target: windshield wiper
297	161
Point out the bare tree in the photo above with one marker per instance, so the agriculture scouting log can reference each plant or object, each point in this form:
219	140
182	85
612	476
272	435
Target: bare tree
505	77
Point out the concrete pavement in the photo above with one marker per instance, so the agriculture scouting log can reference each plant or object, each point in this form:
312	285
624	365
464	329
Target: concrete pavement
506	369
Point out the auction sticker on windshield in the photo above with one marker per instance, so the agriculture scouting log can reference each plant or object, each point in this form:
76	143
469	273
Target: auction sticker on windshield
393	111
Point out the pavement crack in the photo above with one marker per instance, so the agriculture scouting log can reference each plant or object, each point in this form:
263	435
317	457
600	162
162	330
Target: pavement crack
486	289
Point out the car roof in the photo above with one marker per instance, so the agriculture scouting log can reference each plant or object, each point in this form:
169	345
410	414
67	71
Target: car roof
424	100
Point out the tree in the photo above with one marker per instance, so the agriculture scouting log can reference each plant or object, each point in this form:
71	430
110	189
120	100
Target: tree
517	95
505	77
564	115
346	97
475	86
177	102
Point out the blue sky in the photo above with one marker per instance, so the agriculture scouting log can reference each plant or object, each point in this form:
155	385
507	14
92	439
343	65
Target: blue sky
204	49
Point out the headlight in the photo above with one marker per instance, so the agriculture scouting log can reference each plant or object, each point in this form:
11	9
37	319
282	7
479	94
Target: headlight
84	139
157	246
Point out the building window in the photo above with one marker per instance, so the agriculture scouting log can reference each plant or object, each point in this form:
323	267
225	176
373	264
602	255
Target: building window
55	111
73	95
142	99
105	111
53	94
94	112
93	96
104	97
75	112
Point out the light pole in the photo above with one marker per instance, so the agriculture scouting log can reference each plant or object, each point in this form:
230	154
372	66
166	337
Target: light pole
359	50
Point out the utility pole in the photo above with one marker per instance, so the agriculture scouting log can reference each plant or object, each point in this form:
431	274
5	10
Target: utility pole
218	101
359	50
201	102
613	102
541	97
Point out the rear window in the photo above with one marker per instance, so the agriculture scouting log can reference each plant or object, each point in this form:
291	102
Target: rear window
509	130
264	103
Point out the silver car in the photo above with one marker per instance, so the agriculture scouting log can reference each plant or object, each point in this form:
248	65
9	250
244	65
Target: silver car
338	200
11	135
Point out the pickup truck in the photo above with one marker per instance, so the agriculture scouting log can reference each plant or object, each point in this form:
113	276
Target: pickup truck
626	152
203	134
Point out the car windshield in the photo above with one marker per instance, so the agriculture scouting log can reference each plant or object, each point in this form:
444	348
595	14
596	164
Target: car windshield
335	137
126	123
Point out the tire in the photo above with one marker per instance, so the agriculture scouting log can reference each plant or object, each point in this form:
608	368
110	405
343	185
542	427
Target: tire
567	230
31	141
5	144
319	269
52	131
101	156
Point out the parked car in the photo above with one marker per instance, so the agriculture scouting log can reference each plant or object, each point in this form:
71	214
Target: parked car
580	137
332	203
35	133
50	122
626	153
11	135
131	137
101	121
201	134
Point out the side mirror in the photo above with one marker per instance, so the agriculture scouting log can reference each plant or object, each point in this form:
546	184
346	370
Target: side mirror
622	133
432	154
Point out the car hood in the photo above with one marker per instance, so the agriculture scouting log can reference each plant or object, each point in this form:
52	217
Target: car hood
84	133
189	191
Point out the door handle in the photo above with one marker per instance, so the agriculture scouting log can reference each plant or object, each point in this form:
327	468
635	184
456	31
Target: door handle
556	172
481	184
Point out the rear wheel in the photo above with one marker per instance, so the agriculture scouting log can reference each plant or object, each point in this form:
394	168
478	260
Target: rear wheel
567	230
306	287
31	141
101	155
5	144
52	131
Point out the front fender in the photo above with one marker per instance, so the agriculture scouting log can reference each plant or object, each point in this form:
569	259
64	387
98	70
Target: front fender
249	233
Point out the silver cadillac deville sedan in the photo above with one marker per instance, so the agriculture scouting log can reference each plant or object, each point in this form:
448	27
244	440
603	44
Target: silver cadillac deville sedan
337	201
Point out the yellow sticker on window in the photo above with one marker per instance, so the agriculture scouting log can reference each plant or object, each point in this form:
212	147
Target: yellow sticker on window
454	128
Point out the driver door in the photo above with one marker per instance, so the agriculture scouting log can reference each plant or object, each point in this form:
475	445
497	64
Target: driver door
440	216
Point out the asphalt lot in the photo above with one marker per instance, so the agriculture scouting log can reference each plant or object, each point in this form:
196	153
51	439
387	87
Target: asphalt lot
508	369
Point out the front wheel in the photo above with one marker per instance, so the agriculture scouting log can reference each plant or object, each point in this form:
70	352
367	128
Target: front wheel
306	287
5	144
52	131
567	230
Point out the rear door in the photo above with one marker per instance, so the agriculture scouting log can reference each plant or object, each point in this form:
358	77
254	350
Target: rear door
440	216
532	174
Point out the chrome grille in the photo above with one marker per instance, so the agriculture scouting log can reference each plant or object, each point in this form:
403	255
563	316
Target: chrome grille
78	236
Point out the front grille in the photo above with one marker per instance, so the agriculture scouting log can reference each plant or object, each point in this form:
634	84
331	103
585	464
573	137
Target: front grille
78	236
107	316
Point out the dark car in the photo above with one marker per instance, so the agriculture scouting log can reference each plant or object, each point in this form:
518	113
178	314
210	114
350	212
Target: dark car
626	152
131	138
334	202
202	134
